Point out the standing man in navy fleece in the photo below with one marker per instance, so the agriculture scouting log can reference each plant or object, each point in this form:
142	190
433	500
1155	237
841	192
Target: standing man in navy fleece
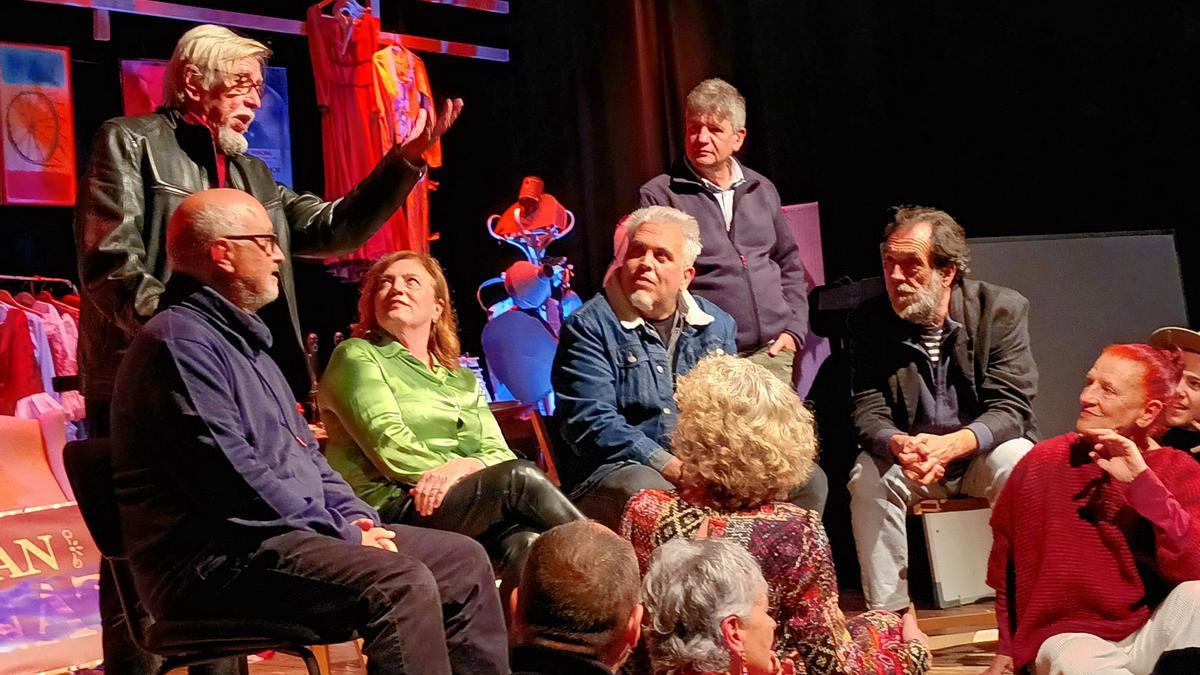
750	265
228	508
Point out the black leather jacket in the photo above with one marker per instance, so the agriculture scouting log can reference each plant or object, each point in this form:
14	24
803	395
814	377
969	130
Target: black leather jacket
139	170
992	361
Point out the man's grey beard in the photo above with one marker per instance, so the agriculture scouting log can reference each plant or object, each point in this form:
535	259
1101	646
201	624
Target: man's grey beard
642	301
231	142
924	310
251	299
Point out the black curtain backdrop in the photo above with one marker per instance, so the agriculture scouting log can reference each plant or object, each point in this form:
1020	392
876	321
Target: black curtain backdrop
1016	117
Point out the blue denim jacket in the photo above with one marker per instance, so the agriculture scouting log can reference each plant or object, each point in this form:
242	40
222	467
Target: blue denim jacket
614	388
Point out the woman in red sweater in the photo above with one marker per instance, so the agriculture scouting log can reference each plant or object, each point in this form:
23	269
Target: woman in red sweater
1096	536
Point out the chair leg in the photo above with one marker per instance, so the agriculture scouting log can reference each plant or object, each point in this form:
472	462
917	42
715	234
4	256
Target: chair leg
319	665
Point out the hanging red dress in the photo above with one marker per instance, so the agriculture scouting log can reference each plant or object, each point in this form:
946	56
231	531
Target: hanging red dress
20	374
352	123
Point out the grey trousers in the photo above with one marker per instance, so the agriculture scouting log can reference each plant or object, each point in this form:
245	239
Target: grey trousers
879	499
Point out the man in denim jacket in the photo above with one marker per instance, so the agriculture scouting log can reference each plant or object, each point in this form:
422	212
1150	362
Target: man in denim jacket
614	373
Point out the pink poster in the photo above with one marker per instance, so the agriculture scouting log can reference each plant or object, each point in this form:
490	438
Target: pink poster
37	121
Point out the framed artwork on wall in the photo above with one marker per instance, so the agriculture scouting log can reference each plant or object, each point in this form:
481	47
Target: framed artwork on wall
37	125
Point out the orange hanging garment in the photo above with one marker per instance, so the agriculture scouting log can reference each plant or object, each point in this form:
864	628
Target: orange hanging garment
402	85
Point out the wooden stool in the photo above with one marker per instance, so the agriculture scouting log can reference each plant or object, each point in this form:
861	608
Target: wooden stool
322	654
958	538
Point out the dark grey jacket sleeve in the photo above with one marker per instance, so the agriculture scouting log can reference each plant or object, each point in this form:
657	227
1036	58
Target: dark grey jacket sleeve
870	412
1009	382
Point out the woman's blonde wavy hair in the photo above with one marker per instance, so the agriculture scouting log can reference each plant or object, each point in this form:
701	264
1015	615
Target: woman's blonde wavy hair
443	338
745	438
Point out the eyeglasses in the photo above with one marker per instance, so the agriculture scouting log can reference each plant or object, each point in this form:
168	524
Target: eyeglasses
267	242
243	83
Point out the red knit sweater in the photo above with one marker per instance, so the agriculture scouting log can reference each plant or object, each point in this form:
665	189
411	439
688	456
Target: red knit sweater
1075	551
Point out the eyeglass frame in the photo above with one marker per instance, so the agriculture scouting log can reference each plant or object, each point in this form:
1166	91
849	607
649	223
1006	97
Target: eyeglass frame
243	83
256	238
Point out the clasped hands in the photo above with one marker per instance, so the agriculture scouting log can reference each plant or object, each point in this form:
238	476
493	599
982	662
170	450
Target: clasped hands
924	457
376	536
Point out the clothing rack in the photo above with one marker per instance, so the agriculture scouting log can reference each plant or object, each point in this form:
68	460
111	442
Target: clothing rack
38	279
171	10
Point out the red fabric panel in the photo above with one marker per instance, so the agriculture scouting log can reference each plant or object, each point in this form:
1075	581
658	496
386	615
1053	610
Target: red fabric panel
19	372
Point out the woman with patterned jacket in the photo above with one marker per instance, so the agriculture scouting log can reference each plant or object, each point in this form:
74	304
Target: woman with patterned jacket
745	439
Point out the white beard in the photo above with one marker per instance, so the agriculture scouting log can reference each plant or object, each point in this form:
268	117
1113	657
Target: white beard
231	142
252	299
923	310
642	301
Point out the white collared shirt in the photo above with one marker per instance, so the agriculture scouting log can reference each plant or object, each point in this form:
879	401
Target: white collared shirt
724	197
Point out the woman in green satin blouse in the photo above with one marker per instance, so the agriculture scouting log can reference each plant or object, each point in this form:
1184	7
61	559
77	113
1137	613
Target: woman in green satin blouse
411	431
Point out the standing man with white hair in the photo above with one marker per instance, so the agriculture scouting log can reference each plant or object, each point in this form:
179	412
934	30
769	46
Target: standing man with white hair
618	355
141	168
750	265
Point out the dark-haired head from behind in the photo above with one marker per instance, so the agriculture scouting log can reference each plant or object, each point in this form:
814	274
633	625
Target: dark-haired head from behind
579	594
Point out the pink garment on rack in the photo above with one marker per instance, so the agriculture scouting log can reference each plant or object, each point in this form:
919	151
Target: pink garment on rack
71	336
62	353
35	405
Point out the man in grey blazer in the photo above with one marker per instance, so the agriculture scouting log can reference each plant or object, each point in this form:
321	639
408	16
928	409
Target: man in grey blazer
942	384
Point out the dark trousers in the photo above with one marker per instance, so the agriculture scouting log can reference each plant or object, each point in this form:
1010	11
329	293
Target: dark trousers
605	501
121	655
504	506
429	608
812	494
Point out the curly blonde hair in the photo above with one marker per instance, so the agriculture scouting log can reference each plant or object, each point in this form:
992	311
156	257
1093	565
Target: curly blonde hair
745	438
443	338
